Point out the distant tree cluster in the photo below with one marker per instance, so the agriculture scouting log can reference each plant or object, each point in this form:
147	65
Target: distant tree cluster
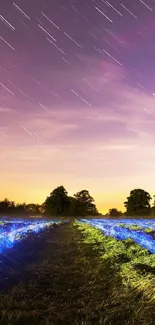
136	204
59	203
115	213
10	208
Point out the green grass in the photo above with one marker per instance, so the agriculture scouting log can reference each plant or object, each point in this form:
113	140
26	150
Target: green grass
74	275
132	227
149	230
137	227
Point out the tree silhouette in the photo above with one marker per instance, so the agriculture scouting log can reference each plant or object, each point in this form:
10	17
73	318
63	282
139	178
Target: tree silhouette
114	213
7	207
57	204
74	208
33	209
153	206
86	203
138	203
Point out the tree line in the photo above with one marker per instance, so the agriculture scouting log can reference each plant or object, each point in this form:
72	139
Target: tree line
59	203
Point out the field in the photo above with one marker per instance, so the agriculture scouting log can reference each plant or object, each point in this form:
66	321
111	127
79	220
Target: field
81	272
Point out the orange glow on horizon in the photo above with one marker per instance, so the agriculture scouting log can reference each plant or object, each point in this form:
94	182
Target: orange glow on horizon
28	194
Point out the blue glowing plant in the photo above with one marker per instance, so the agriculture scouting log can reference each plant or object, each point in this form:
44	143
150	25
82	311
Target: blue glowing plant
115	229
13	231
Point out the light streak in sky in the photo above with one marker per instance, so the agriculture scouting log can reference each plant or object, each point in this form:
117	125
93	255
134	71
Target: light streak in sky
103	14
21	11
129	11
146	5
73	40
58	48
114	8
80	97
7	22
50	20
7	89
7	43
33	134
47	32
111	57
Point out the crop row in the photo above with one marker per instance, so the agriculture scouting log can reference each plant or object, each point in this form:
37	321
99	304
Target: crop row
133	263
13	232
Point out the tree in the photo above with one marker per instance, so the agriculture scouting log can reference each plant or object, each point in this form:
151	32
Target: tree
114	213
138	203
74	209
57	203
7	207
21	210
153	206
33	209
86	203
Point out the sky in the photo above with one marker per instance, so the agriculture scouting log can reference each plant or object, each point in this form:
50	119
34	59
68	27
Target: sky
77	98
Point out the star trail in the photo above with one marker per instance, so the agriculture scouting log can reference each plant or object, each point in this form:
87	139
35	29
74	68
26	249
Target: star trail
77	90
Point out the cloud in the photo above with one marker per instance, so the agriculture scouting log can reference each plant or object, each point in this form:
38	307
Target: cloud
118	111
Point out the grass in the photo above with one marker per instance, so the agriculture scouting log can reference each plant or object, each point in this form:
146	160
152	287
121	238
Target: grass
72	274
132	227
149	230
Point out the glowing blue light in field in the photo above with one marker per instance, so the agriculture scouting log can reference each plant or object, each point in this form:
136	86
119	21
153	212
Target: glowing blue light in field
113	228
12	231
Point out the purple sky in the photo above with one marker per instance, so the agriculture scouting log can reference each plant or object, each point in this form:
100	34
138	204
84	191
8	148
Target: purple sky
77	98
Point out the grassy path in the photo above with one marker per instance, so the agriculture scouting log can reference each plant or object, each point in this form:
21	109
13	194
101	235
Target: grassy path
61	279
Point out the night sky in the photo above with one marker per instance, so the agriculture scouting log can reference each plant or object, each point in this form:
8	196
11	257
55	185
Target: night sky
77	98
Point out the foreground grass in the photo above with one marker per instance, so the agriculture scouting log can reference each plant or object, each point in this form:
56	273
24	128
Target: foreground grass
72	274
135	264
